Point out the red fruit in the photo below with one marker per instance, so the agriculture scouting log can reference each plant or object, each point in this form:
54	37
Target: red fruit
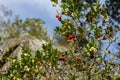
58	15
31	74
71	36
104	37
68	40
62	58
59	19
78	59
47	78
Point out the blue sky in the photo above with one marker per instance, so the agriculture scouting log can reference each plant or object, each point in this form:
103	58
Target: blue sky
34	8
42	9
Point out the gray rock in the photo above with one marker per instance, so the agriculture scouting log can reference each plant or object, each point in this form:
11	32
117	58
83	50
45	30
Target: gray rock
13	47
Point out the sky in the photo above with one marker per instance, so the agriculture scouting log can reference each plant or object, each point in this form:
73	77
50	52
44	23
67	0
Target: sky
42	9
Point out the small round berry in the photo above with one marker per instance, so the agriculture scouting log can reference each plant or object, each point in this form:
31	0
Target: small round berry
68	40
30	73
104	37
71	36
58	15
47	78
62	58
59	19
78	59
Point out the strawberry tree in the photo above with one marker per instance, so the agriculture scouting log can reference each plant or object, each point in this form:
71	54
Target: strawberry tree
92	32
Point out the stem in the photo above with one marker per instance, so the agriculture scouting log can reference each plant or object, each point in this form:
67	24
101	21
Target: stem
46	68
89	74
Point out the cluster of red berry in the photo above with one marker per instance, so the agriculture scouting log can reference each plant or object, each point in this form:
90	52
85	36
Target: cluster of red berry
47	78
70	37
78	59
58	16
63	58
104	37
30	73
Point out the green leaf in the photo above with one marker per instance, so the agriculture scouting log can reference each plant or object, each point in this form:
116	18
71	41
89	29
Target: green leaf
85	7
118	54
38	55
91	27
85	49
89	45
64	6
69	27
119	43
57	29
117	27
80	30
56	1
5	78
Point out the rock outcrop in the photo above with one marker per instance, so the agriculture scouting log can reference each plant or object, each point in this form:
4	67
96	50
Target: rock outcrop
13	48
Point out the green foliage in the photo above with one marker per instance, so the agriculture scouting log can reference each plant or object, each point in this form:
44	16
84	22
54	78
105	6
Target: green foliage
32	26
113	7
90	26
98	32
47	62
51	63
118	54
13	26
56	1
87	26
6	57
